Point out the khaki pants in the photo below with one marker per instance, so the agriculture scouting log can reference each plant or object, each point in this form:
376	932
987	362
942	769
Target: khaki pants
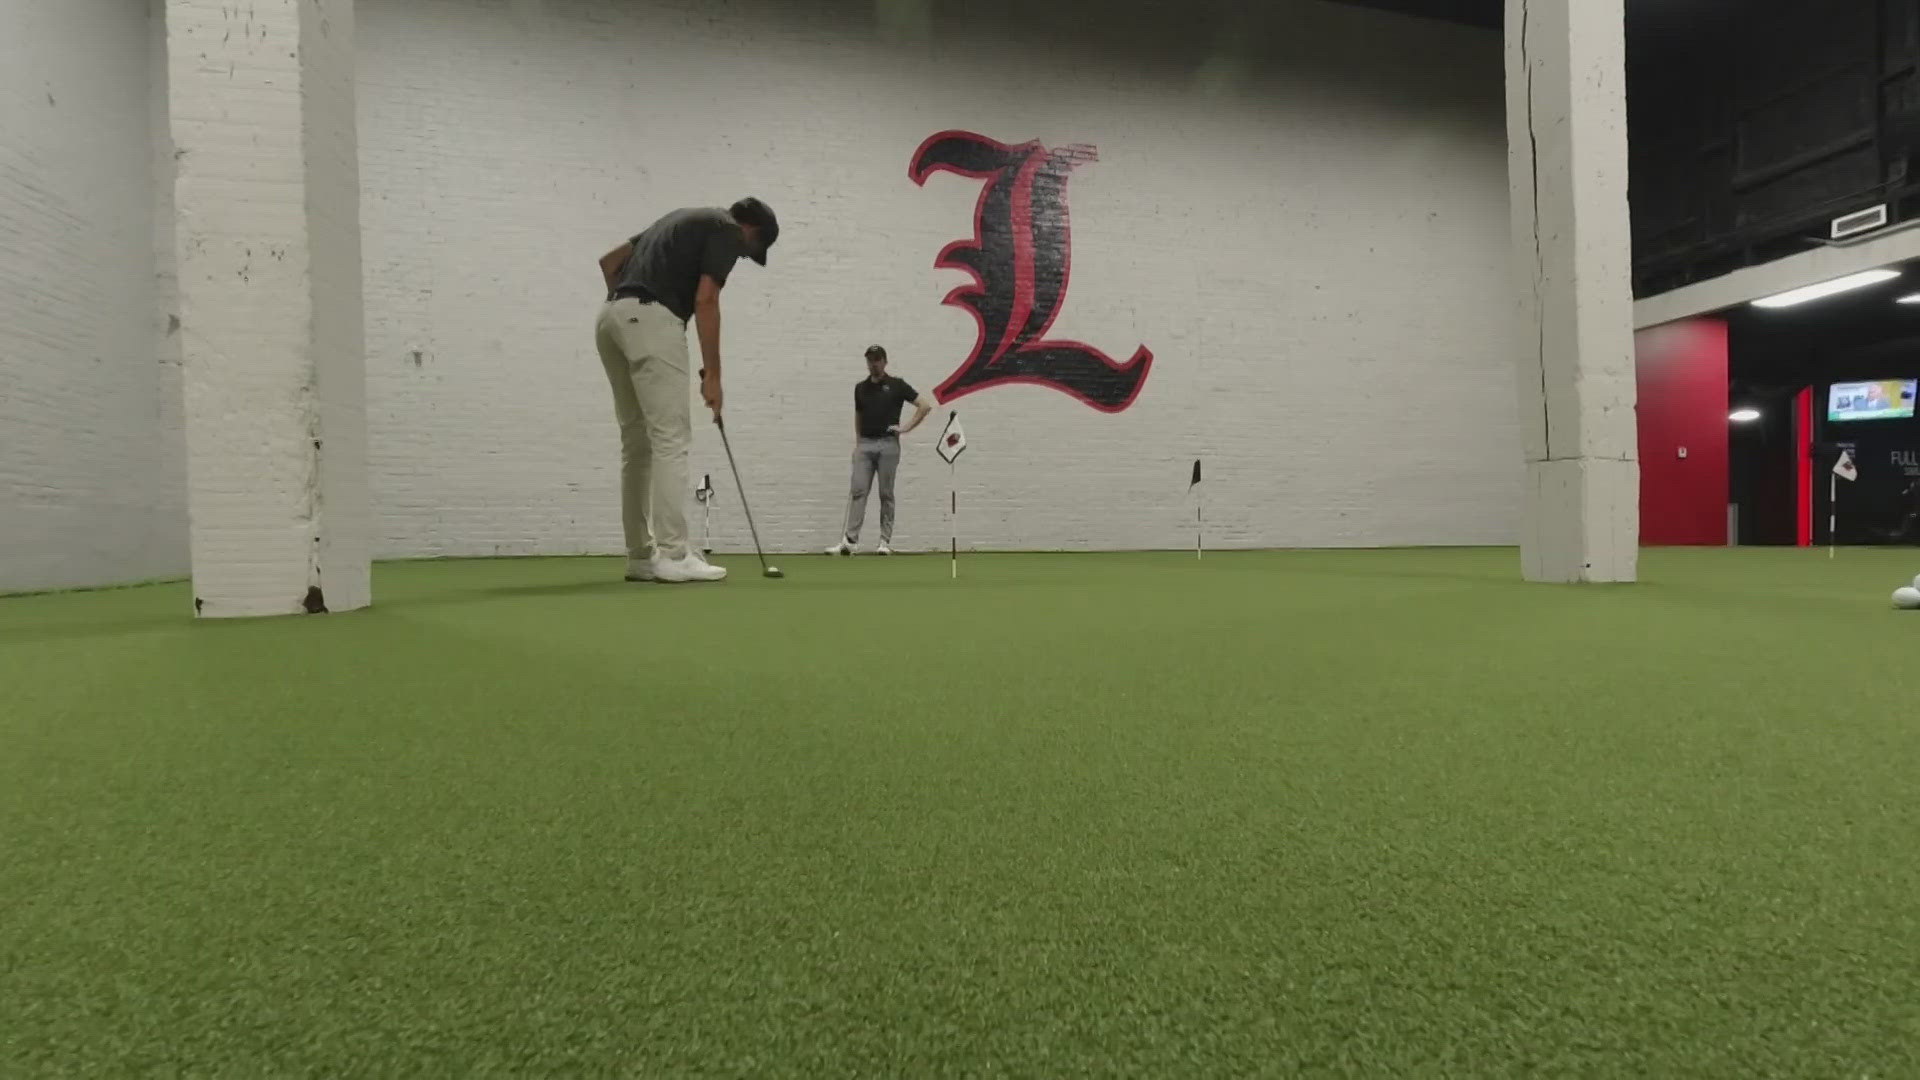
644	349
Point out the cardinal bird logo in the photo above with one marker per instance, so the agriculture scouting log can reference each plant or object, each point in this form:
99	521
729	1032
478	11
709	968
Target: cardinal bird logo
1020	261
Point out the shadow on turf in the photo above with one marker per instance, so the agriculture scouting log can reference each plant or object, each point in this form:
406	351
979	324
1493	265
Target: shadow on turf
513	592
1475	576
745	575
75	631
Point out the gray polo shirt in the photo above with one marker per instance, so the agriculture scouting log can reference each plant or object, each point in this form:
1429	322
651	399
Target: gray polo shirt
671	255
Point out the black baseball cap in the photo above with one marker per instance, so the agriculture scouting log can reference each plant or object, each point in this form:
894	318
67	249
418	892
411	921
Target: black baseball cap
751	211
875	352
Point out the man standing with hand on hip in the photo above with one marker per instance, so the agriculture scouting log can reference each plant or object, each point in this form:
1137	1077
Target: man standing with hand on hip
876	447
657	281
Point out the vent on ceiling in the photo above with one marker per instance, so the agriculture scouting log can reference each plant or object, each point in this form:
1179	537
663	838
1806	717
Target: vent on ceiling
1863	221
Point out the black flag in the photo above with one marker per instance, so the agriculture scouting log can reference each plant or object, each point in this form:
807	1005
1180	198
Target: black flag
1196	476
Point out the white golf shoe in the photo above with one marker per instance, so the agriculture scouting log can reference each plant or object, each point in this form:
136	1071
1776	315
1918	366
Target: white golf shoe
844	547
883	550
689	569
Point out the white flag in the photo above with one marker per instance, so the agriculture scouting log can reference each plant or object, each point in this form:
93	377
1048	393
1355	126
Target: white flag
1844	468
952	439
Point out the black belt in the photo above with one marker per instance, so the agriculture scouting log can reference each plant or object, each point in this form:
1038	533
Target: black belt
632	292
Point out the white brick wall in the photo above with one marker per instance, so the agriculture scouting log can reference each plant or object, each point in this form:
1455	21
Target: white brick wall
1306	222
90	464
1300	210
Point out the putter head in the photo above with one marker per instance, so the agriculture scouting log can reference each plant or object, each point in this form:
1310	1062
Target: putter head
773	571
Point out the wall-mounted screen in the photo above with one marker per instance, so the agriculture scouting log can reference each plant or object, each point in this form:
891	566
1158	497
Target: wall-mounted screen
1889	399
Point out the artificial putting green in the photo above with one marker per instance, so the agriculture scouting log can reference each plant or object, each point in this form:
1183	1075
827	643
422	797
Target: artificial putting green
1361	813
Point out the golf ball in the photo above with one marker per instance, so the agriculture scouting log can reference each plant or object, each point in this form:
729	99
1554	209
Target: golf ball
1906	598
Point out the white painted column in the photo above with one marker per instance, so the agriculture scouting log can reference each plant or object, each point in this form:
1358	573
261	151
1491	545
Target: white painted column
1567	162
267	240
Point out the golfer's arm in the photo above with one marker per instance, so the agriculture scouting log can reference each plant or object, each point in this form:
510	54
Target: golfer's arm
706	320
612	261
922	405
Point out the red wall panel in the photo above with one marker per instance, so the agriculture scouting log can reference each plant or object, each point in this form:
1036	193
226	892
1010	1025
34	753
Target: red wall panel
1803	467
1681	371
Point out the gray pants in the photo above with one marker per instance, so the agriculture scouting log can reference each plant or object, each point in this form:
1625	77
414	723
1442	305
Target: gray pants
873	457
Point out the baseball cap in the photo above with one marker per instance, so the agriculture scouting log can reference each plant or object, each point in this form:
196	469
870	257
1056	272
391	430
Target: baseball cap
751	211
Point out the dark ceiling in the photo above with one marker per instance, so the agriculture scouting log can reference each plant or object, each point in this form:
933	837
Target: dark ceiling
1752	124
1651	15
1471	12
1860	335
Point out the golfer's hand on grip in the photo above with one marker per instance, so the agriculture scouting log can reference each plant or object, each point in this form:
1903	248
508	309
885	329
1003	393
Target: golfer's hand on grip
710	392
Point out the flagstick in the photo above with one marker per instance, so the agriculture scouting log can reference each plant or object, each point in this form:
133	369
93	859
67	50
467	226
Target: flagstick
1833	509
1199	522
953	516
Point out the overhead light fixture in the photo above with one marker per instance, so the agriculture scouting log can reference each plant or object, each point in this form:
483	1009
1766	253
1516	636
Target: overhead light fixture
1827	288
1744	416
1910	298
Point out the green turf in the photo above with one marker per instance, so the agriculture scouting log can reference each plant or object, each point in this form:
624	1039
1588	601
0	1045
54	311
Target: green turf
1365	813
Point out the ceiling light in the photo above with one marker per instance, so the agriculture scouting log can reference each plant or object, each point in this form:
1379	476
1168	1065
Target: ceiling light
1744	416
1910	298
1827	288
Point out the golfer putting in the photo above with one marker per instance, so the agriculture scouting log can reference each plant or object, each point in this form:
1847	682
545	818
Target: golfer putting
656	282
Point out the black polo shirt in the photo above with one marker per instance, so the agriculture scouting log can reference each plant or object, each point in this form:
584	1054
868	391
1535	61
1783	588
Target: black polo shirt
877	404
671	255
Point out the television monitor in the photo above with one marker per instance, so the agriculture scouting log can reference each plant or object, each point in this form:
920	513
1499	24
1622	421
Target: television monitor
1888	399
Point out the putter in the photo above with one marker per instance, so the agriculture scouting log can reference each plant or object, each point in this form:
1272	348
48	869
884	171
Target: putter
765	570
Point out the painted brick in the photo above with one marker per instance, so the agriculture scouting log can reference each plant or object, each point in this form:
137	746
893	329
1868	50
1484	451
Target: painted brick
1301	210
91	473
1304	218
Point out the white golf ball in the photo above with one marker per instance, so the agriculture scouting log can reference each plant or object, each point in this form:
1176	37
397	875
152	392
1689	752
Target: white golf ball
1906	598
